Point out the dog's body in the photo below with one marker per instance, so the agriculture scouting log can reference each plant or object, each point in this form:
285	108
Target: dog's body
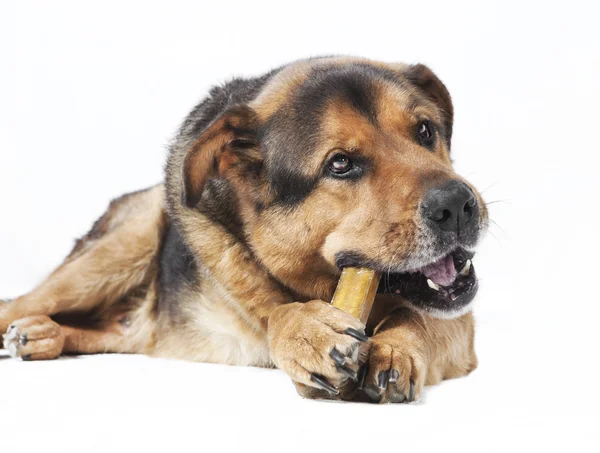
273	184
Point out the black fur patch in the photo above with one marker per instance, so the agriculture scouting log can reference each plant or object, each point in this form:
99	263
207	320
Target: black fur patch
177	270
352	259
219	203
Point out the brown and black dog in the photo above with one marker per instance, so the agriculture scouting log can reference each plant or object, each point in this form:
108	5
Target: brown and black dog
273	185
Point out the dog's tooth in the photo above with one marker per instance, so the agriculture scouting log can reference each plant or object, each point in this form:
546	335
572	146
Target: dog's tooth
466	268
432	285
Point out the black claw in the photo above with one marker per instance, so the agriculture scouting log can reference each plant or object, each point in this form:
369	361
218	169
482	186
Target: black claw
356	334
394	375
396	397
362	374
23	339
26	357
337	356
411	393
382	379
323	383
11	327
348	372
373	392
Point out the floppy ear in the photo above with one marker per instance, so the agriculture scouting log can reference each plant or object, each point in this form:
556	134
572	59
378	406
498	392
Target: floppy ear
225	144
424	78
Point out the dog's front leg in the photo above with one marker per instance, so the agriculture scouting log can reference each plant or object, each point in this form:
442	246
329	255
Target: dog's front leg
317	345
410	350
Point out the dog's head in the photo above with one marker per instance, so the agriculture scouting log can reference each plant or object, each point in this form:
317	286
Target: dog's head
344	162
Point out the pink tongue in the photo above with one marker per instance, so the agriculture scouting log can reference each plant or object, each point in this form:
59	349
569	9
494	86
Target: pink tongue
442	272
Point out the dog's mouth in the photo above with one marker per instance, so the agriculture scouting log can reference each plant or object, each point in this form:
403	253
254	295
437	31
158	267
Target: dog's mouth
444	288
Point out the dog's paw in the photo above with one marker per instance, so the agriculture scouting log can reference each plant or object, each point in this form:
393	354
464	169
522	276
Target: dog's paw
4	317
34	338
317	345
397	368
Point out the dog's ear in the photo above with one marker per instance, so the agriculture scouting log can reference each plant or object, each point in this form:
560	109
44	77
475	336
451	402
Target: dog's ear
229	142
424	78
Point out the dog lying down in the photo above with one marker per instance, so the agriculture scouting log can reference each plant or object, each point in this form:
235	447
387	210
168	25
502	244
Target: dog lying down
273	185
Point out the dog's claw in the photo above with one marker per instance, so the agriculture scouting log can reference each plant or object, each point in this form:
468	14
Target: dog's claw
373	392
347	372
362	374
411	393
396	397
394	375
23	339
382	380
323	383
356	334
337	357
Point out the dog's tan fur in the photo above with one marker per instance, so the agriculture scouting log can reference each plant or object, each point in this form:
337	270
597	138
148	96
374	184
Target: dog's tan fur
103	298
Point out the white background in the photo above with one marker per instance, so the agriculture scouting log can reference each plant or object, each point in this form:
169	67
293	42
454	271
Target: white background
91	92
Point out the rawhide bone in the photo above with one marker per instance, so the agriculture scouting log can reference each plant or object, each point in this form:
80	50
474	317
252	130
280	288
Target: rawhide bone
356	291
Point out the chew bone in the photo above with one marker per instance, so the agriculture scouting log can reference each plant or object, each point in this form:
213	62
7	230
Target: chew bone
355	291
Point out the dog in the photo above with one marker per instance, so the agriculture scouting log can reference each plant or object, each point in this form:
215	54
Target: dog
273	185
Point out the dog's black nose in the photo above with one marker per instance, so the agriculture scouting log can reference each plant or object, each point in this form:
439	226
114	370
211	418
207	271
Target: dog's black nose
451	207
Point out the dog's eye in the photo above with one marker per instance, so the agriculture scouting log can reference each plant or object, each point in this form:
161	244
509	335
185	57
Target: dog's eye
426	133
340	164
